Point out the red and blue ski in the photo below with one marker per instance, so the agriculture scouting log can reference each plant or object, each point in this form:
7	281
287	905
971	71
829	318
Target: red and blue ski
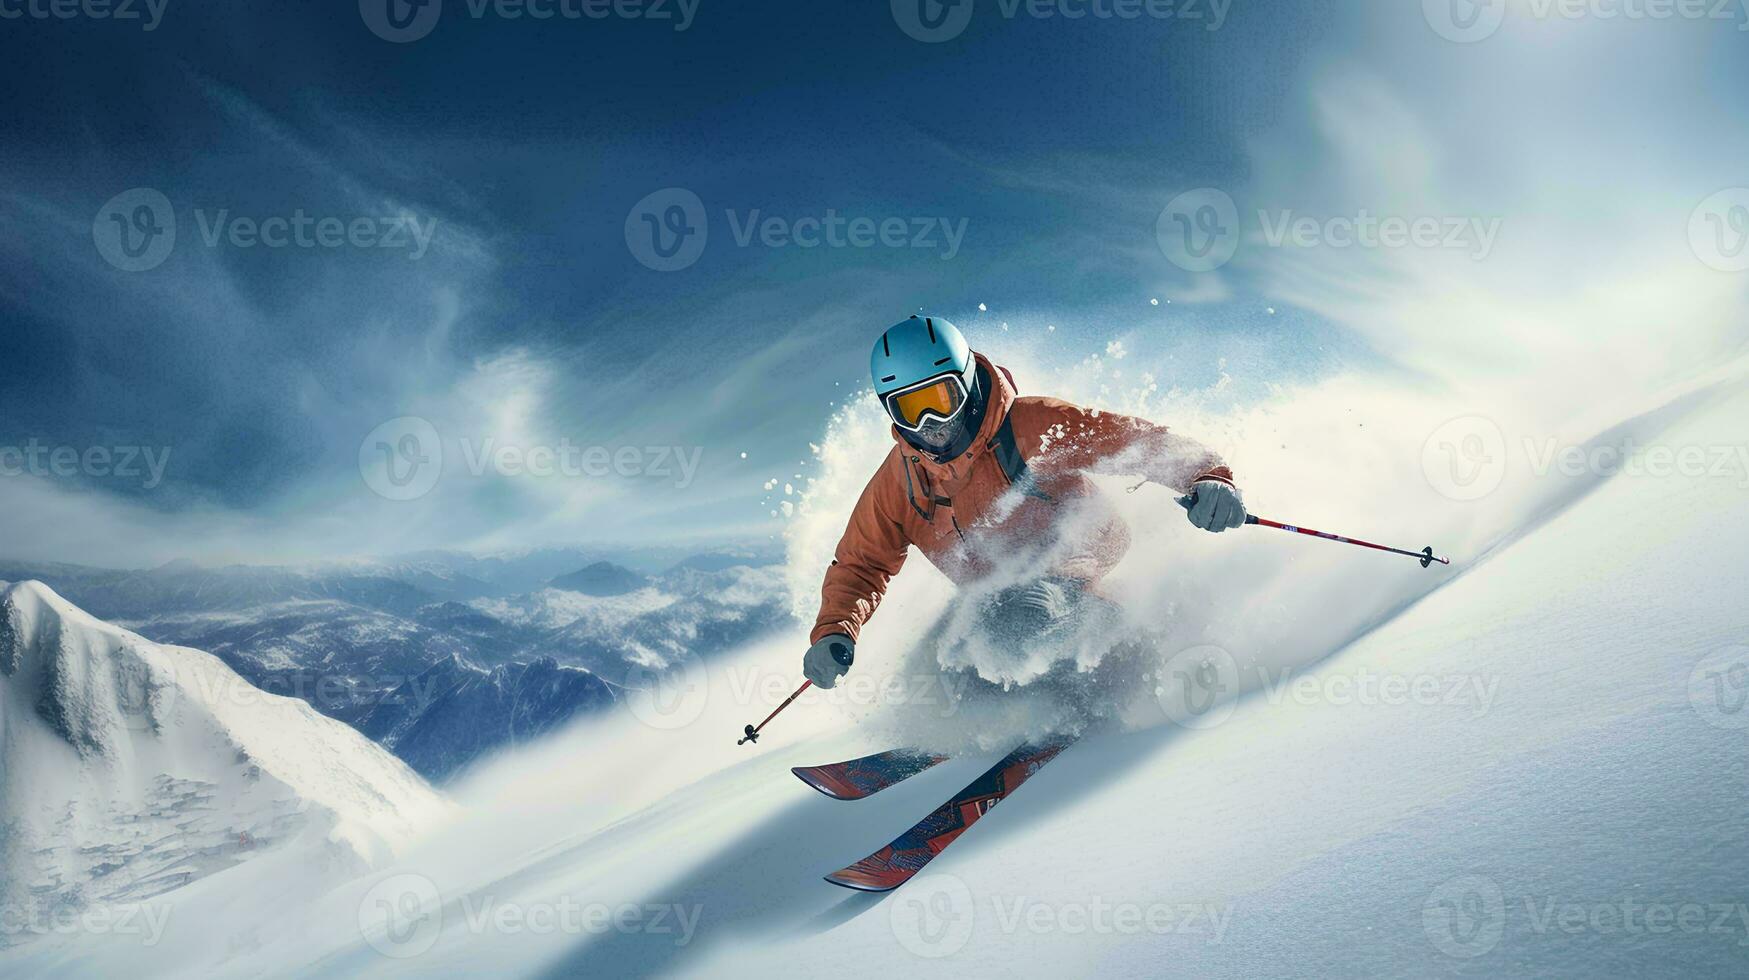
895	864
859	778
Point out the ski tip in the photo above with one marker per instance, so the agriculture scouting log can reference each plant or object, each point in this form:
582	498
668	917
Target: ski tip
861	884
810	776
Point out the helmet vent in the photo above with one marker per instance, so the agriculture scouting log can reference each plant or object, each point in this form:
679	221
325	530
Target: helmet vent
929	323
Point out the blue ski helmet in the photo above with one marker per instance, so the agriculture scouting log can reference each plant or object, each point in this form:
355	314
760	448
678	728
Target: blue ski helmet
915	350
923	374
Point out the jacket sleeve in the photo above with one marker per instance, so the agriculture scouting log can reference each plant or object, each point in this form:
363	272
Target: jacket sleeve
869	554
1106	442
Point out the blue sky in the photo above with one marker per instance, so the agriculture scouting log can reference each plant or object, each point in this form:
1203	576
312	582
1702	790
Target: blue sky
1037	152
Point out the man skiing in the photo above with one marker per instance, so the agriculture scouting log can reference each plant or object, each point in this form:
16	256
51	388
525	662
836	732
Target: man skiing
985	482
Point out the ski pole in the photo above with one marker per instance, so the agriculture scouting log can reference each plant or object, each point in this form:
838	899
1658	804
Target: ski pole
1425	555
753	733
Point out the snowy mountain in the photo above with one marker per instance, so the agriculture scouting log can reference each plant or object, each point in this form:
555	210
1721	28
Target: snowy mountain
1534	767
454	712
601	578
354	639
128	768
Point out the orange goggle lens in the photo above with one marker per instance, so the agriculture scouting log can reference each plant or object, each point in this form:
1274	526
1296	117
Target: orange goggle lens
941	397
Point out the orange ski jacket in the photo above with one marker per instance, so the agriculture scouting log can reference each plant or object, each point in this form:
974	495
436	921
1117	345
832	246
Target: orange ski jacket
968	517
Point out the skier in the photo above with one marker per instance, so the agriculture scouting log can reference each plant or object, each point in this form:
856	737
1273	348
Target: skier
986	482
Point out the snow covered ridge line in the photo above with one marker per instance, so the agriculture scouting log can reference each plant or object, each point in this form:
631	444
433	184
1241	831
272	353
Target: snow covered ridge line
1199	687
937	914
144	921
130	769
1467	916
403	916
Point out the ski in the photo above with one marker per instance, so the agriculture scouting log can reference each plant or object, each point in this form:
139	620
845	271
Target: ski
896	863
859	778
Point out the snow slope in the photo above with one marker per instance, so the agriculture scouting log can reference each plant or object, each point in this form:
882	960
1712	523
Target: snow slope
128	769
1537	769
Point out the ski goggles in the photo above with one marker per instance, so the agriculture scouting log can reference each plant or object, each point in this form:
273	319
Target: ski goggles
942	397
